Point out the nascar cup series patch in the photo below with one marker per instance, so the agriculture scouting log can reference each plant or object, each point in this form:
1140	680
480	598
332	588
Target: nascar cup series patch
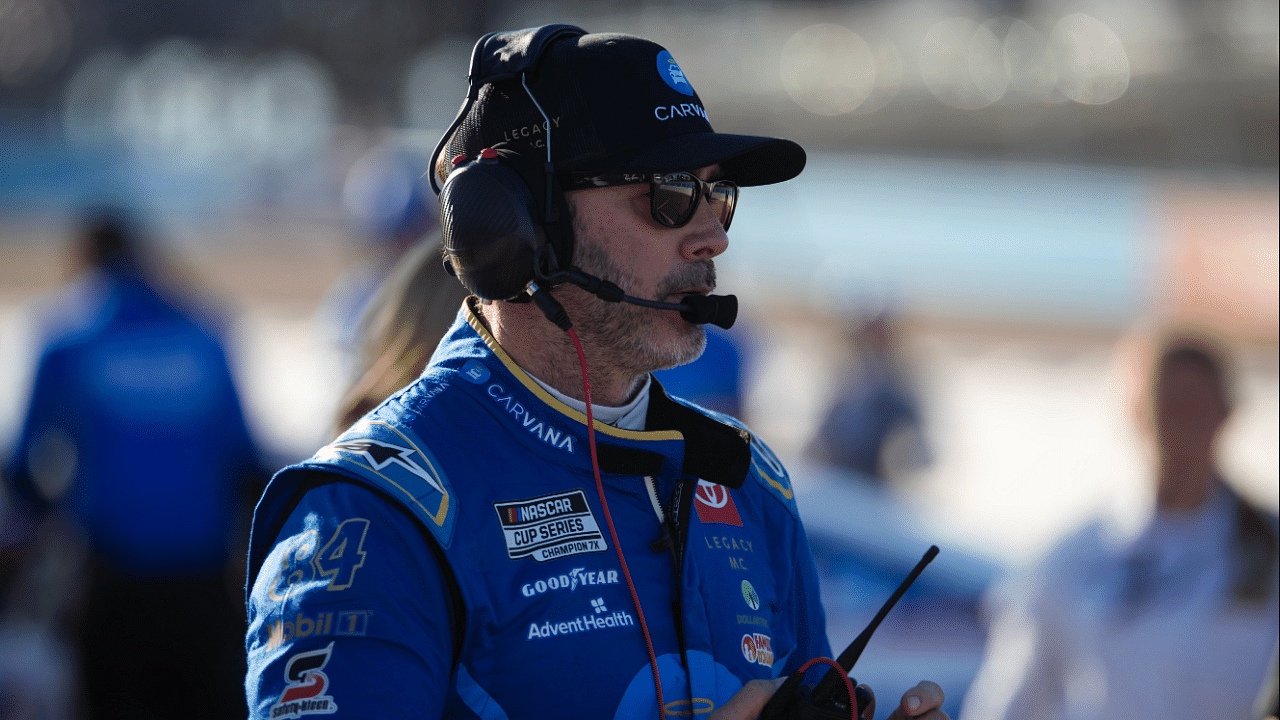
397	461
550	527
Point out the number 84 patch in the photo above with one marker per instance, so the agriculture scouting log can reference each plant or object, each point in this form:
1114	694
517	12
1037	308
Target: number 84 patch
337	559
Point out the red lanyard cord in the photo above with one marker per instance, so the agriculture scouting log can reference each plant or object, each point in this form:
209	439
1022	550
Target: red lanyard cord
595	467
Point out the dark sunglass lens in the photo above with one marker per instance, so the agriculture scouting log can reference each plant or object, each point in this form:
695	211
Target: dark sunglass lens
724	196
674	197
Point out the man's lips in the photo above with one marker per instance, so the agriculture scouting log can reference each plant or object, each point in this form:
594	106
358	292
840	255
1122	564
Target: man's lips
680	295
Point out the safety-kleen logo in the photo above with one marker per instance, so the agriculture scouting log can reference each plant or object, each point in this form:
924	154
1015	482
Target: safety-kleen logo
305	692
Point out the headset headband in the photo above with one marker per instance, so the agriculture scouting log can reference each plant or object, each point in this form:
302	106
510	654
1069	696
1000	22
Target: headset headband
501	56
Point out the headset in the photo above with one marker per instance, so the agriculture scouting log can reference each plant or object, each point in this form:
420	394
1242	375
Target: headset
504	218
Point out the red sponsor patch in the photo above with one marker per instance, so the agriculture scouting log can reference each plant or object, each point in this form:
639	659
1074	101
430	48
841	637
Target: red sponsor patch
715	505
306	683
757	648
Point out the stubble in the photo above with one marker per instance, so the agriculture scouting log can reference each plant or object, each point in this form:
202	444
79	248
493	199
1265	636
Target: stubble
639	338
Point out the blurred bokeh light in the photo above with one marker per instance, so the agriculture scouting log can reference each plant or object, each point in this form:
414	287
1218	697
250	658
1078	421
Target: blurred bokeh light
180	104
35	40
828	69
1093	68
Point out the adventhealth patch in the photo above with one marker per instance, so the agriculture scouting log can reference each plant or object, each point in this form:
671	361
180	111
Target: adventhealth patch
550	527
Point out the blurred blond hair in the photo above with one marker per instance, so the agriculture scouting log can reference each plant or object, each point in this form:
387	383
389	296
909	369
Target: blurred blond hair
404	322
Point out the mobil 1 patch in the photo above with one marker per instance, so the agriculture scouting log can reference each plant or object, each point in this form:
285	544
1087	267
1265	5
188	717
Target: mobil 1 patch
550	527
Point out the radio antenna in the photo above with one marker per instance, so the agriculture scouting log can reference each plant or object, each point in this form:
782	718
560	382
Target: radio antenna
828	687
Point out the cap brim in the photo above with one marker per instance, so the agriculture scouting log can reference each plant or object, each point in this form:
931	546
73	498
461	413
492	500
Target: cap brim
747	160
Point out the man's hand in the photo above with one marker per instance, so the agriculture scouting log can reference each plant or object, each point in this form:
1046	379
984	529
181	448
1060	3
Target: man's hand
922	702
747	703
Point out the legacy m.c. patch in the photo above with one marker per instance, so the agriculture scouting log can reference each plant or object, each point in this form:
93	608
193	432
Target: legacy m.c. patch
550	527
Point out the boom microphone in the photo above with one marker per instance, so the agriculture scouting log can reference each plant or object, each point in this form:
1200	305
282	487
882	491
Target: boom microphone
719	310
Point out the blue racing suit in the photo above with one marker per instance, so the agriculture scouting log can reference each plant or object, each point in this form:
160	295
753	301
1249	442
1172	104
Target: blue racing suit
450	556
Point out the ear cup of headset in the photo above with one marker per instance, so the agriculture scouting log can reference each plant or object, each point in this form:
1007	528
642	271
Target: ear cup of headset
489	217
490	237
494	223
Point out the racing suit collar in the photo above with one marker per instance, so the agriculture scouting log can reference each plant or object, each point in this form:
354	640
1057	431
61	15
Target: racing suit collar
713	450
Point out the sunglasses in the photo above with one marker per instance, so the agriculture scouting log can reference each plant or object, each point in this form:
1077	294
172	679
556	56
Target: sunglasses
673	196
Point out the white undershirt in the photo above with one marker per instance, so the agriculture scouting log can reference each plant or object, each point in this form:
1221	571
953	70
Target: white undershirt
627	417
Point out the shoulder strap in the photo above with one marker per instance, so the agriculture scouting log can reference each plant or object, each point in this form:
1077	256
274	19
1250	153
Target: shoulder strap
391	457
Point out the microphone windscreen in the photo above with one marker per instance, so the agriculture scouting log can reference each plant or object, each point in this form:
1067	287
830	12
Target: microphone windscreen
726	311
719	310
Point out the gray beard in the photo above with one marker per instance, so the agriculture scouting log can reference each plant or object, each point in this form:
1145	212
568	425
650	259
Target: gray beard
627	332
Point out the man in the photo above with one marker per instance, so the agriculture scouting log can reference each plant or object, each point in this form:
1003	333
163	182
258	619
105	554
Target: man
873	427
1179	621
135	432
474	547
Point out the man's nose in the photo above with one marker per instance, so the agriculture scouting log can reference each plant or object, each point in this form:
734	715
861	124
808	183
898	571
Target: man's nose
706	237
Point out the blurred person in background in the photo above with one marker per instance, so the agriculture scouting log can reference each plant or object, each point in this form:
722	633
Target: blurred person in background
1177	622
1267	706
453	553
391	213
134	435
873	427
40	569
400	329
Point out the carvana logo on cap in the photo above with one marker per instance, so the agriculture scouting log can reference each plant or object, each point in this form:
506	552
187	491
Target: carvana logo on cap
672	74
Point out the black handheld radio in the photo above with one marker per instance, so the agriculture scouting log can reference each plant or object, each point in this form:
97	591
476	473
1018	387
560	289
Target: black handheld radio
792	701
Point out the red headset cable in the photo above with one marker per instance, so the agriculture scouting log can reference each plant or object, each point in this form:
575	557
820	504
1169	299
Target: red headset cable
595	467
